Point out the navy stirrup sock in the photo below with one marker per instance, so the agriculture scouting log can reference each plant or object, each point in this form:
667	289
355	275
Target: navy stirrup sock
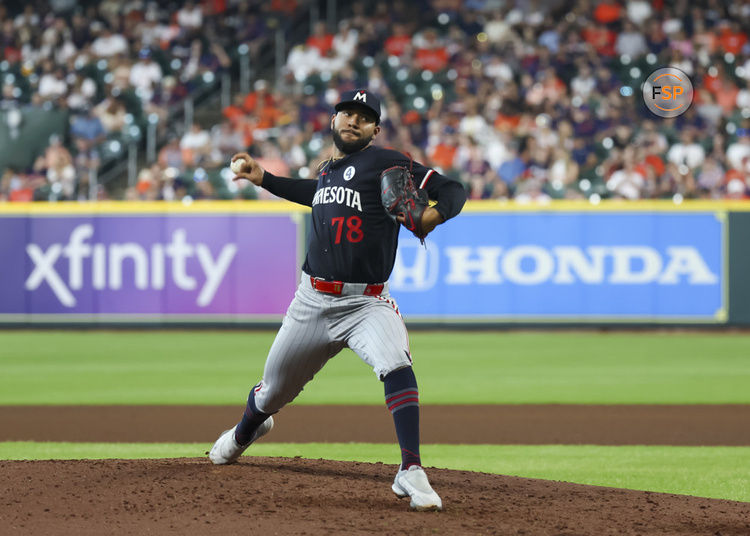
251	420
402	399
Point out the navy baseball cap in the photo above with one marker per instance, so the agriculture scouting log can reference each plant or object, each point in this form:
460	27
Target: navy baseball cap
363	98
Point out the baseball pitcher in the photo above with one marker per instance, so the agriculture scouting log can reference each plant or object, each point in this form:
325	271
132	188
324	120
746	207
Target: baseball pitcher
361	196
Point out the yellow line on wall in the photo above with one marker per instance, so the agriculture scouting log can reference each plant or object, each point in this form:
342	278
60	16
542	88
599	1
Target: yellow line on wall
151	207
266	207
609	205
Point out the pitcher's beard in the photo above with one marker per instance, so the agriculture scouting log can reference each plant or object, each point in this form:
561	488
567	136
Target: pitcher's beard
349	147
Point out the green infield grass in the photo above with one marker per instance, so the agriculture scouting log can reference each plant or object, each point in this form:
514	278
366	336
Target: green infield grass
215	368
716	472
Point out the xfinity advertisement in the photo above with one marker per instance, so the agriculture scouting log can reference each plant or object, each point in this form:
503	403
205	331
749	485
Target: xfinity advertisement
566	266
161	265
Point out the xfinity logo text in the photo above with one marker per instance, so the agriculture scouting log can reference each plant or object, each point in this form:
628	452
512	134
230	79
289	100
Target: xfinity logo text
102	265
529	264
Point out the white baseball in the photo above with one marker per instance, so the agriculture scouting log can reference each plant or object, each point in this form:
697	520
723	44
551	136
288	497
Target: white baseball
238	165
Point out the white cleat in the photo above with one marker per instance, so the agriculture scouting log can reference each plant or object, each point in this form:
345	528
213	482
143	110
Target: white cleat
226	449
413	483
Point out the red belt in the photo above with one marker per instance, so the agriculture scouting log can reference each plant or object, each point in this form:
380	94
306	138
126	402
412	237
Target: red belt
337	287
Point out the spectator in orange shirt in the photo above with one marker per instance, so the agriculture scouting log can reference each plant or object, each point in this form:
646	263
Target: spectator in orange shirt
599	37
399	42
321	39
443	153
260	97
607	12
430	54
721	87
284	6
732	38
735	183
266	114
235	111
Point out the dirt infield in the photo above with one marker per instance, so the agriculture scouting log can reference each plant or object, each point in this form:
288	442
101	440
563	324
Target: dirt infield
530	425
297	496
294	496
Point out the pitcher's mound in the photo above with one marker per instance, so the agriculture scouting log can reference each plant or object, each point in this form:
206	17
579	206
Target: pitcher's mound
300	496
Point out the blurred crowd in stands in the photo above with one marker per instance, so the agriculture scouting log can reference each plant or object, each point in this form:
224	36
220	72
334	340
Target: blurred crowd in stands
524	99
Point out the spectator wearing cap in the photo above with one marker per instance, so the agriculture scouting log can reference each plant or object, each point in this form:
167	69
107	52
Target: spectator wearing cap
145	75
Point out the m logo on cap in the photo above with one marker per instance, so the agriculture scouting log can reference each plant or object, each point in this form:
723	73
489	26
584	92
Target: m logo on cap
361	96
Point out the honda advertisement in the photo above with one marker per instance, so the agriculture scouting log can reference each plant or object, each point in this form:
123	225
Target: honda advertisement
528	266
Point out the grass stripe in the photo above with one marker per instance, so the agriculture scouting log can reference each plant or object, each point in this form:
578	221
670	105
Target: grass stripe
216	368
716	472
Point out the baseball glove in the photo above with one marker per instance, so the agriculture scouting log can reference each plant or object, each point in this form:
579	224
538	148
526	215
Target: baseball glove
401	197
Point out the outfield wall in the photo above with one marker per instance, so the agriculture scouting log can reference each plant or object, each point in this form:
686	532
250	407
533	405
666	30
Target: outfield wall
230	263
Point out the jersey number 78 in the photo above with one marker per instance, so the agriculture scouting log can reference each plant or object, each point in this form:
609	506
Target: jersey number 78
354	231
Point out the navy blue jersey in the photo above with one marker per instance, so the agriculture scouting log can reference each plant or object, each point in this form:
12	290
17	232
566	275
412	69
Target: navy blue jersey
353	239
